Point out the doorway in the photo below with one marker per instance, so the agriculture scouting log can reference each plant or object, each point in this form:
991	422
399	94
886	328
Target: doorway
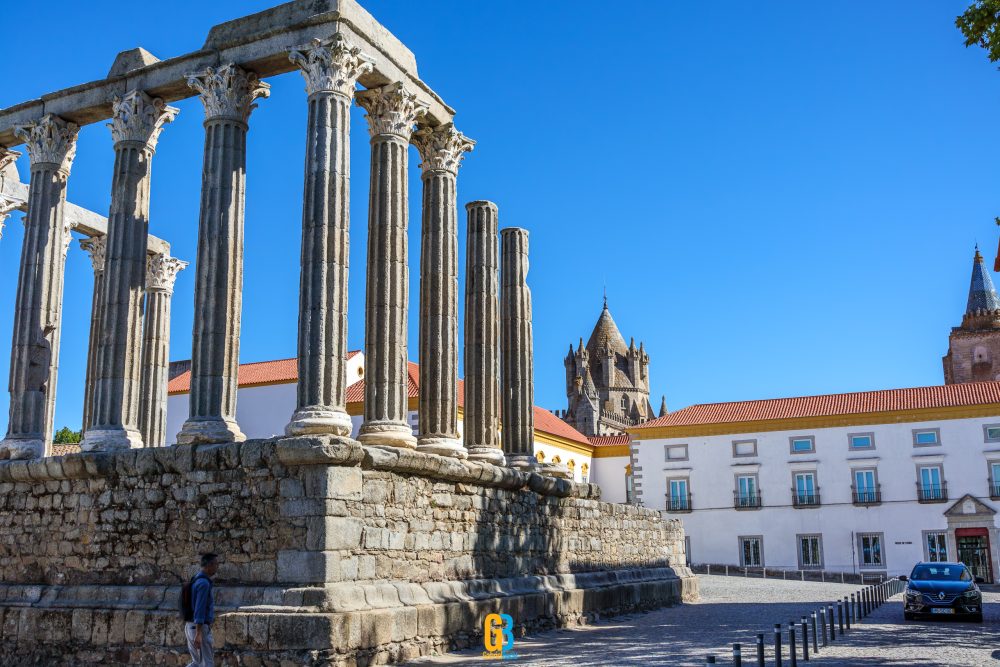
974	550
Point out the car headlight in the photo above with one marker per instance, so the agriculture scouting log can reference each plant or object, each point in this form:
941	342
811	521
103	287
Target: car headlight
913	595
970	594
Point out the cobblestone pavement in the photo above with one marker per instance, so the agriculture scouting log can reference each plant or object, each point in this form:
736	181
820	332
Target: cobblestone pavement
733	609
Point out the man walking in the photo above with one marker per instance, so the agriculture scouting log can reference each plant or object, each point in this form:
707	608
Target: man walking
198	628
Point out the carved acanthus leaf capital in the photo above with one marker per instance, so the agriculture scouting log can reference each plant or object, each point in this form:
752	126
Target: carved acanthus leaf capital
96	247
140	118
50	140
331	65
228	92
392	110
161	272
442	148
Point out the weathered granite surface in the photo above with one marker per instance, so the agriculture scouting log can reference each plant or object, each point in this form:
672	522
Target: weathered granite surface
333	553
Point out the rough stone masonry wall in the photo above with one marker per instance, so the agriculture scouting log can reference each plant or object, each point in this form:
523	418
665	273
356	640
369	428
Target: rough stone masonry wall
333	553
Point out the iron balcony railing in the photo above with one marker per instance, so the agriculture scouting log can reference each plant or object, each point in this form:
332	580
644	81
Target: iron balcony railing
679	503
867	495
932	493
746	501
994	489
805	498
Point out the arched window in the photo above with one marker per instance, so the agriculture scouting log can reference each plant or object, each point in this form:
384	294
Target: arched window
571	464
624	403
556	459
540	456
584	473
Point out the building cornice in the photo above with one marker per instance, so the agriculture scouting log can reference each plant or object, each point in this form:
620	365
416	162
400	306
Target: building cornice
610	451
823	421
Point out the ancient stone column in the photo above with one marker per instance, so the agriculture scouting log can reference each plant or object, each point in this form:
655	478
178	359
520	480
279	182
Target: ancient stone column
96	247
228	94
331	69
392	111
161	272
442	149
482	335
517	378
34	359
114	412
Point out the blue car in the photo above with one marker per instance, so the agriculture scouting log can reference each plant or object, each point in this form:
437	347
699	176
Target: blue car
942	589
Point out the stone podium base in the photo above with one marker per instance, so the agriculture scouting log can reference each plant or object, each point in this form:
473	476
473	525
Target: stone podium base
333	553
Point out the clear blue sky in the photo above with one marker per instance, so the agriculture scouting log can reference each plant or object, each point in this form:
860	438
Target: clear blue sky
781	197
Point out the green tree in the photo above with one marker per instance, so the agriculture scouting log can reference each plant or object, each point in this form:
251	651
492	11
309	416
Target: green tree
65	436
981	25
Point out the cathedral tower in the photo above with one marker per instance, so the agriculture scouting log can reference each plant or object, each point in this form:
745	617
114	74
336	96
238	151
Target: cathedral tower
974	347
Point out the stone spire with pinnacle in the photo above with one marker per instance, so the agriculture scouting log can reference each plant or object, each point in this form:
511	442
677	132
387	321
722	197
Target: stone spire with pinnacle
974	347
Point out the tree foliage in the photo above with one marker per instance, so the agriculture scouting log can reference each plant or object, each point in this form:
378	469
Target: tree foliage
65	436
981	25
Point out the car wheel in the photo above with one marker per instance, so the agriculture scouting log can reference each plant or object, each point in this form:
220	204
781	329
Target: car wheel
908	616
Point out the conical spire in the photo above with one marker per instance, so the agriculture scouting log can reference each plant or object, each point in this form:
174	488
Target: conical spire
606	334
982	294
663	406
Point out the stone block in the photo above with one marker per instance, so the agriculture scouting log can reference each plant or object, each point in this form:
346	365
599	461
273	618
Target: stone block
332	533
304	631
332	482
308	566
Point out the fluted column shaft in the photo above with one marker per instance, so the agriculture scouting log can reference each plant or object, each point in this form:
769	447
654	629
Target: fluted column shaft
392	111
331	69
95	247
441	149
114	411
482	335
517	381
34	363
227	94
161	272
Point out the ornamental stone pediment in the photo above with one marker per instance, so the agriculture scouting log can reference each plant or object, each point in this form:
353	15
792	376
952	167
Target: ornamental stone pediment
968	505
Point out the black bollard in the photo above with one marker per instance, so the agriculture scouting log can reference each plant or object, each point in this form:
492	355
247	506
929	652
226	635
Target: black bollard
854	608
815	635
840	616
805	638
737	656
792	651
847	613
710	660
832	621
760	649
822	619
777	645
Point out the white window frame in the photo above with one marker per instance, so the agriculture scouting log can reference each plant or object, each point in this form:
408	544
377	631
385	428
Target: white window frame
760	549
917	432
668	449
819	547
942	538
852	436
736	444
986	432
880	537
802	438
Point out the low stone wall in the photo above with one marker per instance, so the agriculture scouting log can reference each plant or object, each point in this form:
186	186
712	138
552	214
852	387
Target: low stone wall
333	553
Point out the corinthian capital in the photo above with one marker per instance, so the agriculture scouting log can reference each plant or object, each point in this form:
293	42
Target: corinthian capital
331	65
391	110
228	92
96	247
442	148
140	118
49	140
161	272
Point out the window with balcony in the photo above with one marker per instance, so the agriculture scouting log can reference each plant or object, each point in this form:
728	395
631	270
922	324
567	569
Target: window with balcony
866	490
935	547
810	551
930	485
995	480
747	493
678	496
861	441
751	550
870	552
805	493
926	437
802	444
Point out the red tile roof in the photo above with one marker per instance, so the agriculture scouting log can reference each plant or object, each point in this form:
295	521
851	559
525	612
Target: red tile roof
249	375
285	370
862	402
610	440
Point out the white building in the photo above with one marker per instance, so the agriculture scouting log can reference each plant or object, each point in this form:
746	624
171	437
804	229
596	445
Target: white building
870	481
266	401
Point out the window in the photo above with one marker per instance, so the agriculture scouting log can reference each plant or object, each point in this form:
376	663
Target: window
676	452
629	486
805	491
861	440
678	499
870	550
744	448
935	547
747	494
802	444
926	437
810	552
994	480
751	551
556	459
866	490
540	456
930	487
991	433
584	473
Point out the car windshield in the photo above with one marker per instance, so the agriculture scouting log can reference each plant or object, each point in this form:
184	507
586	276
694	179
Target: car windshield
941	573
